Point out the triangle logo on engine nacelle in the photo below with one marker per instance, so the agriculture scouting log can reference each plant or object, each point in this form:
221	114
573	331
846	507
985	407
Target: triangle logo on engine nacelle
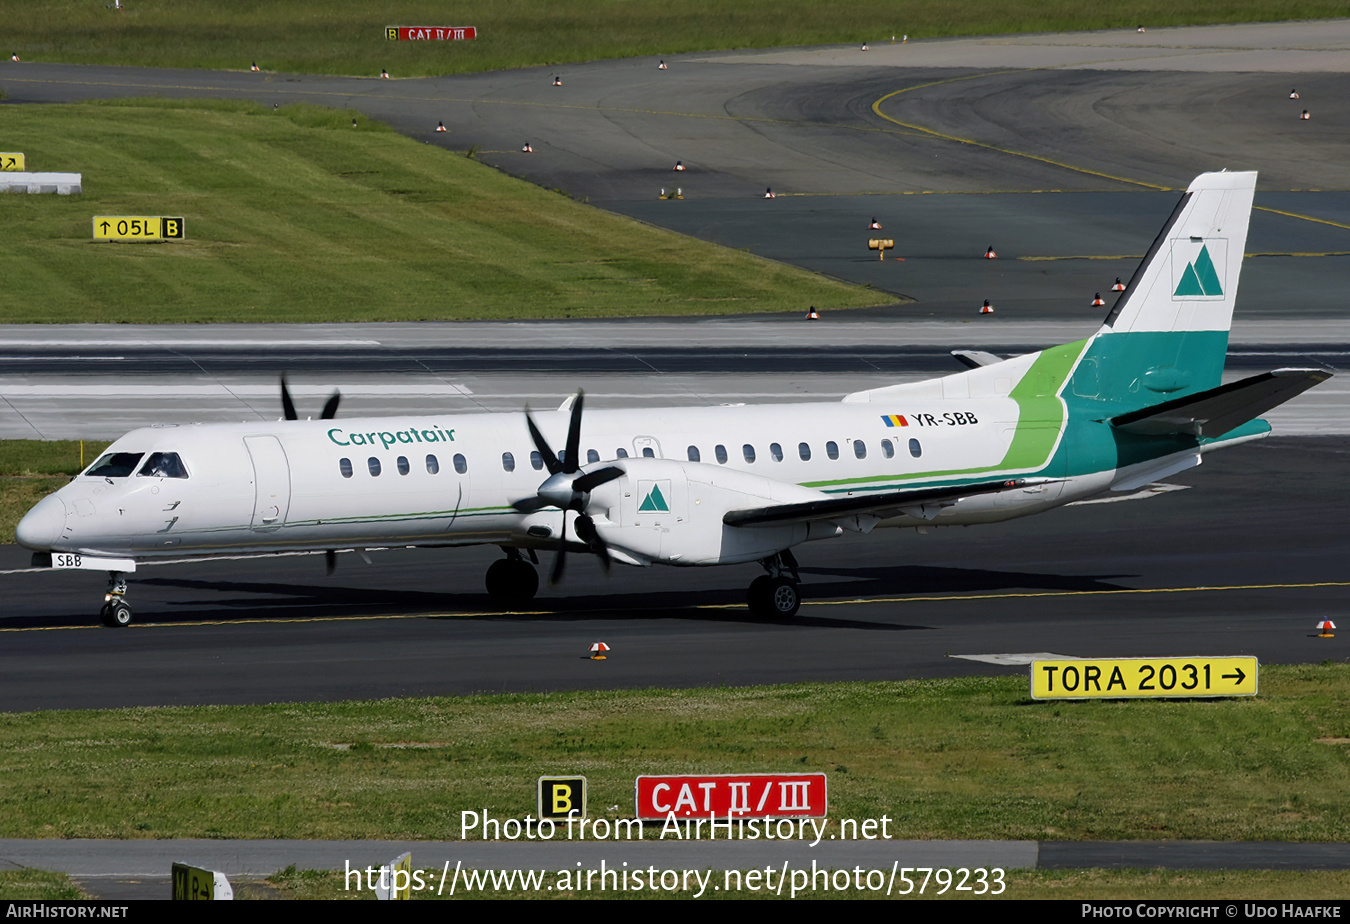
653	498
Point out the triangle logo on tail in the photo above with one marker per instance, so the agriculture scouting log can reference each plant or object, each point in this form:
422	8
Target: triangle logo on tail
654	501
1199	279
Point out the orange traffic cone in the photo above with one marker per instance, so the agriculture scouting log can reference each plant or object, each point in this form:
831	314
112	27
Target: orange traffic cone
557	81
987	308
679	166
1293	94
662	65
254	66
768	194
813	315
440	126
875	225
1305	117
384	75
1097	300
989	254
527	149
1119	286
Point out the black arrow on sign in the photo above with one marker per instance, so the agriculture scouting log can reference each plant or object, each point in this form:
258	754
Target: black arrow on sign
1239	675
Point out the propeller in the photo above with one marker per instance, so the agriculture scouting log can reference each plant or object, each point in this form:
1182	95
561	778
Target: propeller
288	406
569	488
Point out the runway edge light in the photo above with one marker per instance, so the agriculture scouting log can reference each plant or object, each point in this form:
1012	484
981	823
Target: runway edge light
598	650
1326	629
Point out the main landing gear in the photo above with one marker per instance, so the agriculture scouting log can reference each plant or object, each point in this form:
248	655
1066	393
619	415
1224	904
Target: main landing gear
512	581
116	612
778	593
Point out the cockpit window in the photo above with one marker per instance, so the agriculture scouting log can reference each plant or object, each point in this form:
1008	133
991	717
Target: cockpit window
115	465
163	465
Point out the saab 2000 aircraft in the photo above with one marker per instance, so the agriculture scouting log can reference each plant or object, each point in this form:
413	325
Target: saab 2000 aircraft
1138	401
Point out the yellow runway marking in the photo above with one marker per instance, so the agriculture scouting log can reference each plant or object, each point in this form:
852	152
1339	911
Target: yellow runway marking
1082	593
856	601
1138	256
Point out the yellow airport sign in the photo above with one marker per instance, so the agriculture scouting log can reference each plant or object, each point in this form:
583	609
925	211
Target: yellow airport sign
137	228
11	161
1144	678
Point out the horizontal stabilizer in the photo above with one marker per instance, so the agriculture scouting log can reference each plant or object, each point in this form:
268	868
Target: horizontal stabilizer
882	505
974	359
1216	411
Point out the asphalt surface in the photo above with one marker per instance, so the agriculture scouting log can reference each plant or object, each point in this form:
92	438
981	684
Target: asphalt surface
1245	562
1051	151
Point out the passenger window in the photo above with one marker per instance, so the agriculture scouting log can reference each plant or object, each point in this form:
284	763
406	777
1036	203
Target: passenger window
721	452
860	449
562	456
915	449
749	452
163	465
621	453
536	460
374	465
693	454
592	456
461	464
115	465
508	462
804	450
776	451
433	465
888	449
832	449
403	467
345	466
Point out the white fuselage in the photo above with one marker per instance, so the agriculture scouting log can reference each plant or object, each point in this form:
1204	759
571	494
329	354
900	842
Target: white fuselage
451	479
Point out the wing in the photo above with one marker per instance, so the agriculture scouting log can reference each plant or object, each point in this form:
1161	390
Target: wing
881	505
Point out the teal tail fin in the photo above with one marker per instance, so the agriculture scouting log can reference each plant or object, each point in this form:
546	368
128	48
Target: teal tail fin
1167	336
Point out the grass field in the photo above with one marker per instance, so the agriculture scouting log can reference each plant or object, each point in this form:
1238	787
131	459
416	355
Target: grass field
970	758
32	469
348	36
293	215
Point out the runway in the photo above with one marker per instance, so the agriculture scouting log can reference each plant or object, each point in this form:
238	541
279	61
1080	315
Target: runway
1054	149
1245	562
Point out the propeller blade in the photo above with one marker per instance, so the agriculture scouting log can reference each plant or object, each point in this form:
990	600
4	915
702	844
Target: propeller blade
287	405
561	559
530	504
592	480
574	435
330	406
588	534
550	460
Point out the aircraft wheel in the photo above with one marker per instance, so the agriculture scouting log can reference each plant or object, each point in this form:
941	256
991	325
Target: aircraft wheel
774	597
115	615
512	582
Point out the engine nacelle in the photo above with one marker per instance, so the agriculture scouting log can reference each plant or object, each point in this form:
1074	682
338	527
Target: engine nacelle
671	512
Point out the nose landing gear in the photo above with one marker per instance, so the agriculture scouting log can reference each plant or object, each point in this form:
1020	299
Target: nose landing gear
116	612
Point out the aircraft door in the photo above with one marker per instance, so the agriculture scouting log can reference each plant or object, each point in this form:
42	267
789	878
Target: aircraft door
647	447
271	482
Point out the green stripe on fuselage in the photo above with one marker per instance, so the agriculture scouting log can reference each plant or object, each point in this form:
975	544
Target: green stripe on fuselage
1041	418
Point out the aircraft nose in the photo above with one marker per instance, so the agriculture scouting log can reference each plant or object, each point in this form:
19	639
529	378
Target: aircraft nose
42	526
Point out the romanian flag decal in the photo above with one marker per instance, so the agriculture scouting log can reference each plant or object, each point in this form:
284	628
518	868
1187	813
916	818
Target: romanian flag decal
894	420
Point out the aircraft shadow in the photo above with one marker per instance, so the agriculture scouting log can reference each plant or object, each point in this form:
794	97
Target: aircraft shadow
272	600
